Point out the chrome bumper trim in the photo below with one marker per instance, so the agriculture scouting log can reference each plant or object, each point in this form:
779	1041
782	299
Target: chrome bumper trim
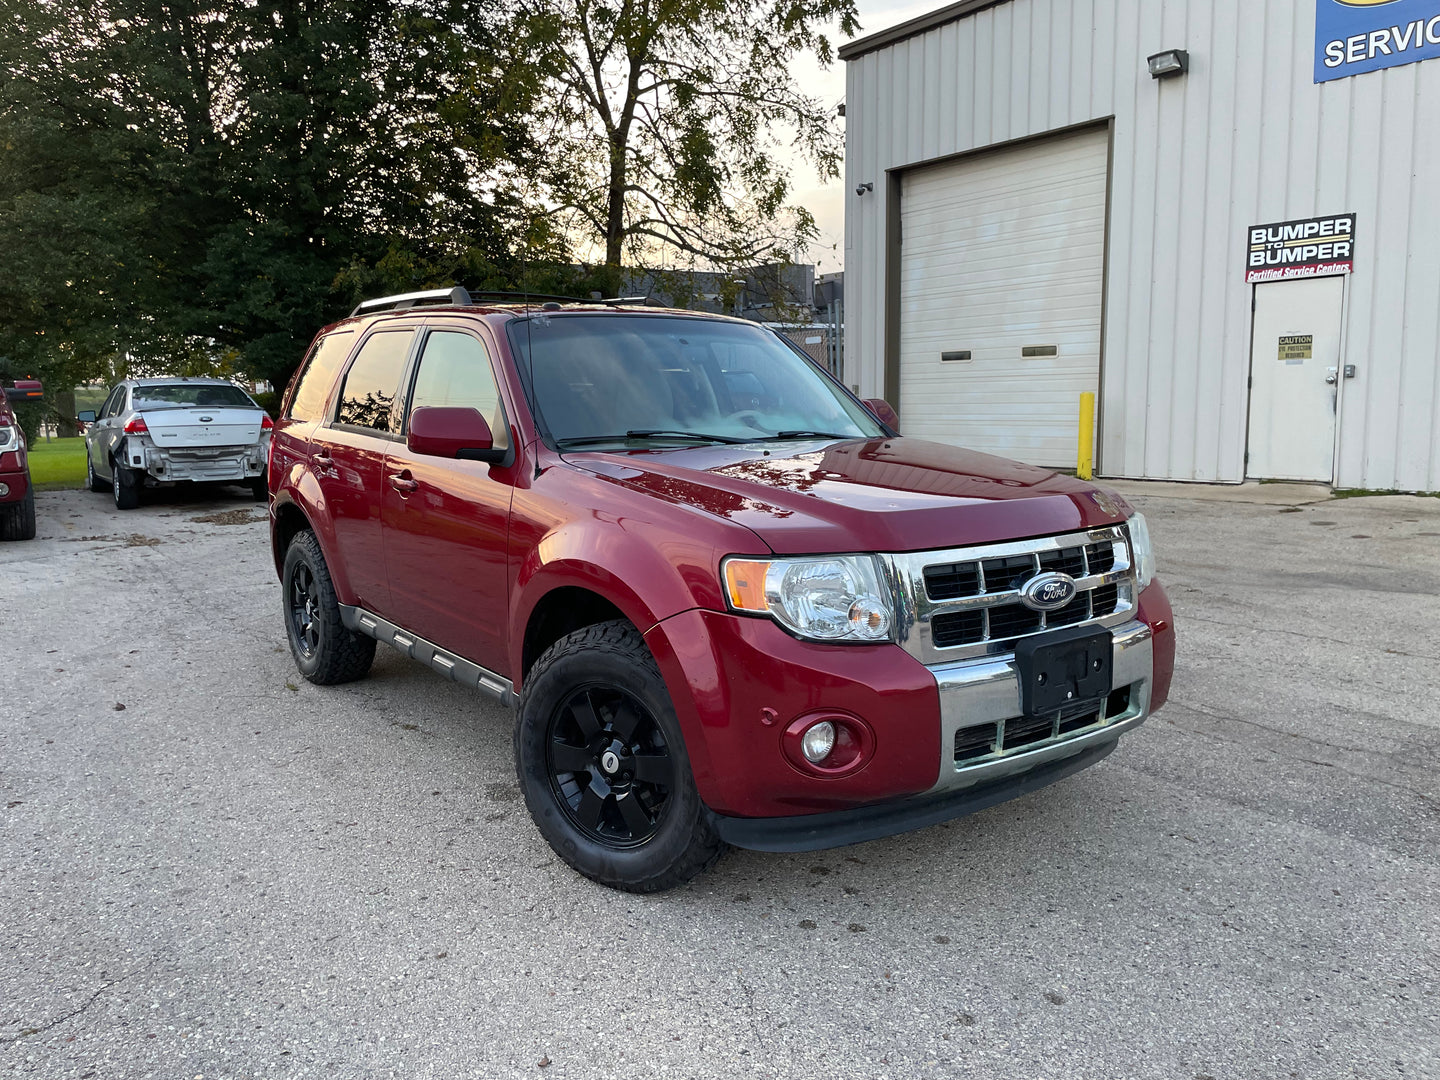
987	691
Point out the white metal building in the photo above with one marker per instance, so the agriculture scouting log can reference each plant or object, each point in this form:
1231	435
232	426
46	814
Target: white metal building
1032	214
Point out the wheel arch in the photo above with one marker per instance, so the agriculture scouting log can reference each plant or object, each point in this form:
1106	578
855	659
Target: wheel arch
288	520
560	611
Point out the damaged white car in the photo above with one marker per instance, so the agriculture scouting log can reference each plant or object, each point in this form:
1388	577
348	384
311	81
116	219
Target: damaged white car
158	432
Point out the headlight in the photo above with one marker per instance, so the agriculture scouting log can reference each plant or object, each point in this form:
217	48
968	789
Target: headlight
9	437
1144	553
823	598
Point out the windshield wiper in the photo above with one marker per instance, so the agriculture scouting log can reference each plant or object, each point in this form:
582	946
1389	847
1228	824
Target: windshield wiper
809	435
646	433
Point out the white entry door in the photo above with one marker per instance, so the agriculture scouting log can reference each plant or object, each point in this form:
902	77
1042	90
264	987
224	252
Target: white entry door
1294	369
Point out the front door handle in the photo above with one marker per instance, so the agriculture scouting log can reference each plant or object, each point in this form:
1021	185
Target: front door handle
403	482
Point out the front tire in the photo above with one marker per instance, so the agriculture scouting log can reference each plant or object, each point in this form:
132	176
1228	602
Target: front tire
603	766
91	480
124	486
325	651
17	521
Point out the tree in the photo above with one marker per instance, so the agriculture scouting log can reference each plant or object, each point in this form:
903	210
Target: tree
200	185
664	118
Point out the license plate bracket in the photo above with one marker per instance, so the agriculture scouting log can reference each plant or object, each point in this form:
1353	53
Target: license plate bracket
1064	668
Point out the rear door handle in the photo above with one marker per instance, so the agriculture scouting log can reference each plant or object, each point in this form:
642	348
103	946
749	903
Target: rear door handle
402	482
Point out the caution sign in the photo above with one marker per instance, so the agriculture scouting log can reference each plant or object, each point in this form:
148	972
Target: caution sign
1310	247
1297	348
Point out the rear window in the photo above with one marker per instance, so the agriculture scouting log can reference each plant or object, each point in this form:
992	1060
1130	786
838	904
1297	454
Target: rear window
373	381
183	395
316	376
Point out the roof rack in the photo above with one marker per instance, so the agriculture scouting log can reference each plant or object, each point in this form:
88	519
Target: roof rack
554	298
457	297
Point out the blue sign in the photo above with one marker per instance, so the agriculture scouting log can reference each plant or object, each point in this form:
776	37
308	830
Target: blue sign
1355	36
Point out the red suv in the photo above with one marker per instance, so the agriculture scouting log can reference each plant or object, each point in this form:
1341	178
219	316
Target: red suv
17	496
727	601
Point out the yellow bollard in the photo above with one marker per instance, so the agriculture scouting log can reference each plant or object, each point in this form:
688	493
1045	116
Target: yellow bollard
1085	465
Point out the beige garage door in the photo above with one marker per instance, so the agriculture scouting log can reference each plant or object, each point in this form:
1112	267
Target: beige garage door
1001	280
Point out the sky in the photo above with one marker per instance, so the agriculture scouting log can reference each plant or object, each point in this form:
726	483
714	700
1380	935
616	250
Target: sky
827	200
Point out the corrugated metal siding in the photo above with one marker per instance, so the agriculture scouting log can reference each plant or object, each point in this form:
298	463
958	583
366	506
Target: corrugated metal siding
1245	138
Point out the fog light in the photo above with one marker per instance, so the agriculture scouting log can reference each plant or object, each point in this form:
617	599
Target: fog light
4	490
818	741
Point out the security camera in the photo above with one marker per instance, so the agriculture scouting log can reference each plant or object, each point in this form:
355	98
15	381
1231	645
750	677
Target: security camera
861	189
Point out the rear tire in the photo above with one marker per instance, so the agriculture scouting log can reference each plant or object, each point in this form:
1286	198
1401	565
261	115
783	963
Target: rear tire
124	486
17	521
91	480
325	651
603	767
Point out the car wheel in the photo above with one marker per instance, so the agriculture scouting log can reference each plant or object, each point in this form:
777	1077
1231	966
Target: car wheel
325	651
91	480
17	521
125	486
603	767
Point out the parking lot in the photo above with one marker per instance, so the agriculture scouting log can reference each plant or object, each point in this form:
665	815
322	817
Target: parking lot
210	868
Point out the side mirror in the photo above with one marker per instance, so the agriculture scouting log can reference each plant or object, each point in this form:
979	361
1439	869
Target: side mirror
86	417
452	433
884	413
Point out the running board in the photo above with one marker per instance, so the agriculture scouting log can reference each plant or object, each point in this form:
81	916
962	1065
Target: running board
455	668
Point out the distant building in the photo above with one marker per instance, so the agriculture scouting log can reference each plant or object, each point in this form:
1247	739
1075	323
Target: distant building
1220	217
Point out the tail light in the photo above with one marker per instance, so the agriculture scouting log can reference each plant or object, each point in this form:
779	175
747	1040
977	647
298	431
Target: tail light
266	424
137	426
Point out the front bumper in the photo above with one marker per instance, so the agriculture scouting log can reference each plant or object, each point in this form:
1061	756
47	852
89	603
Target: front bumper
737	683
14	476
815	832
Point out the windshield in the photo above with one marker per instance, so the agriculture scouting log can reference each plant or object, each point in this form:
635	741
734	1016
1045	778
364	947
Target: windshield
180	395
611	378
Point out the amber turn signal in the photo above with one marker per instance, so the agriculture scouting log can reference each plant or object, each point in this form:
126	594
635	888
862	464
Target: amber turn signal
745	583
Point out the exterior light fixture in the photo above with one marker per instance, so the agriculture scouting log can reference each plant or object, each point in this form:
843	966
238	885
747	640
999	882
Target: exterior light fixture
1171	62
861	189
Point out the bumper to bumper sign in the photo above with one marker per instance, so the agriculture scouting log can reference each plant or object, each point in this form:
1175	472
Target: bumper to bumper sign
814	832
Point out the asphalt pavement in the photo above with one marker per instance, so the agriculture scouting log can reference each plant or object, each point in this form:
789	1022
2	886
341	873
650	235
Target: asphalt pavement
210	868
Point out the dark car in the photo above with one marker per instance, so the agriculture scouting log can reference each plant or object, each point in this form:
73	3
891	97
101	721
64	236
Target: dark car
728	602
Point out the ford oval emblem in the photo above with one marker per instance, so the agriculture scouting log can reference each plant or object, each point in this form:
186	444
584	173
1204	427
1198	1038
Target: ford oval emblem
206	419
1048	592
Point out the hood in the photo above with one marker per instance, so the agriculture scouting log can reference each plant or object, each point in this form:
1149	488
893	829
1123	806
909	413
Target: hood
864	495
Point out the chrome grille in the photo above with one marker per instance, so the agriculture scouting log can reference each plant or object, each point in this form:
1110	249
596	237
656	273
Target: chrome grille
966	602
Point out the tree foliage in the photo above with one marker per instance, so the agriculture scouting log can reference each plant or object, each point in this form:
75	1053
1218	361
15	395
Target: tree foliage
665	119
205	183
196	186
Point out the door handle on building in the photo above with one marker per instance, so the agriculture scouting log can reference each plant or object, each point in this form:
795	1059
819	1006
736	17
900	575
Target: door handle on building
1332	377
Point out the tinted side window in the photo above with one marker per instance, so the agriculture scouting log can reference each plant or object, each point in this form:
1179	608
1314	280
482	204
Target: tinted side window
316	376
455	373
372	381
112	403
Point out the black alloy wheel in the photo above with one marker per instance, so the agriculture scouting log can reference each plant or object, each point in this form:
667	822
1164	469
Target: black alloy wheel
325	651
603	765
302	608
610	769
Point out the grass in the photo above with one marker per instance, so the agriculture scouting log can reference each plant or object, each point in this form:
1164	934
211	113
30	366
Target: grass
57	464
1363	493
